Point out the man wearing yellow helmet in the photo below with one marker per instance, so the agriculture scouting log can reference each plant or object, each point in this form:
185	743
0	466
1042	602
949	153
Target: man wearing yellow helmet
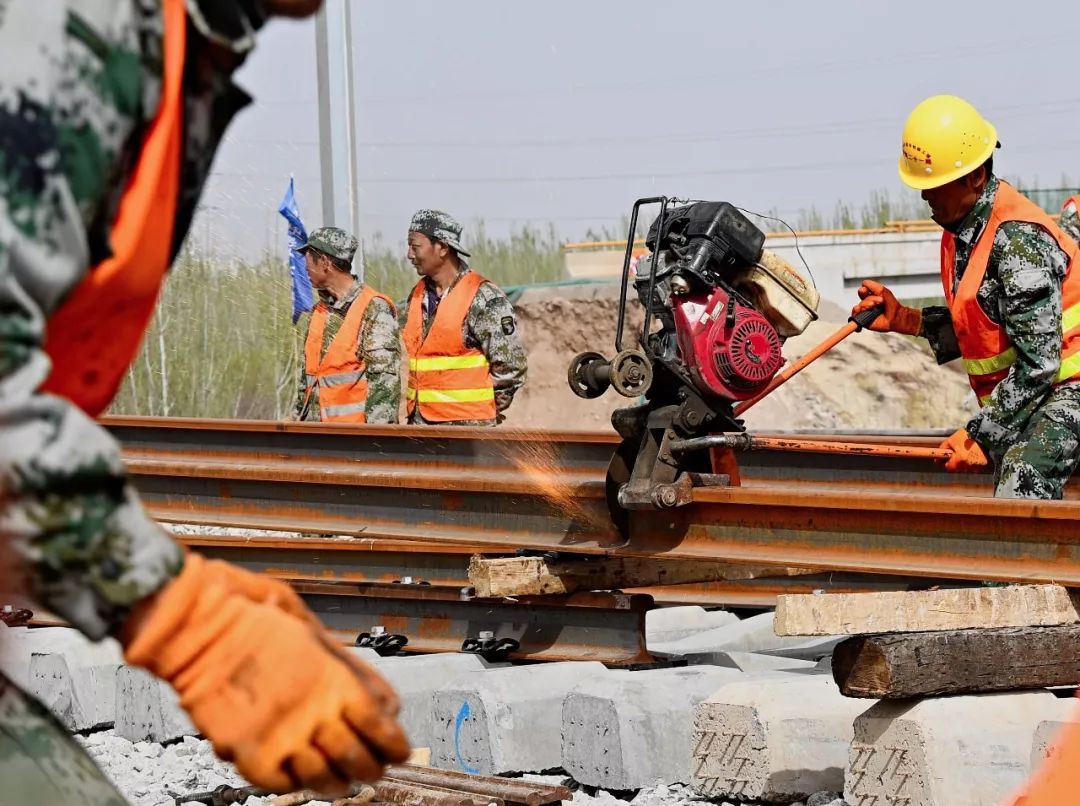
1013	304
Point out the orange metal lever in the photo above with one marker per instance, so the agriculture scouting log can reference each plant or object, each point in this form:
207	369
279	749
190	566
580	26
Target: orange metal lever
749	442
795	368
855	323
850	448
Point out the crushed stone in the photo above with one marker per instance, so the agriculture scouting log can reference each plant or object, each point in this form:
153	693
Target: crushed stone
151	774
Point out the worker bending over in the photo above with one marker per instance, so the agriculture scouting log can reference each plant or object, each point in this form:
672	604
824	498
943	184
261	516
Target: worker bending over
466	359
352	353
1013	304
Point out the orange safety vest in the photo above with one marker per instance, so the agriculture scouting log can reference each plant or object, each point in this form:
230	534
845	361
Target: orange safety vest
95	334
986	348
447	380
1057	780
340	375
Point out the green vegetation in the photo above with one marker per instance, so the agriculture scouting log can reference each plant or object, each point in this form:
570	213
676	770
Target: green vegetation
221	344
882	206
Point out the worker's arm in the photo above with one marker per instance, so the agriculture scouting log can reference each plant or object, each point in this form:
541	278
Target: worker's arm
303	404
380	350
65	123
937	329
492	327
1030	268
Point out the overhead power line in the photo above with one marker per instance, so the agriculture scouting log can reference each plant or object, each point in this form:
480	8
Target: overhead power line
1068	106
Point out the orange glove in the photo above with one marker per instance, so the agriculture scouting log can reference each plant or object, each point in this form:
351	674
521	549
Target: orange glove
967	456
268	687
896	319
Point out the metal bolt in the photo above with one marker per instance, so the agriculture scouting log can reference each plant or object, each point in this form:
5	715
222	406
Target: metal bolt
487	635
665	496
378	629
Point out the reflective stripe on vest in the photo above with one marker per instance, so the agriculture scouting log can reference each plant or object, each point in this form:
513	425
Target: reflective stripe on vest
94	336
448	362
1070	366
988	366
450	395
339	374
986	348
1069	370
342	378
346	412
448	381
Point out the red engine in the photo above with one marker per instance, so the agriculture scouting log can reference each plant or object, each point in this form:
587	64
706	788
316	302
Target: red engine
731	351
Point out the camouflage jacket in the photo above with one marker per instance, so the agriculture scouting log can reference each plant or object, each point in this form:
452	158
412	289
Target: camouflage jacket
80	83
379	349
491	327
1022	292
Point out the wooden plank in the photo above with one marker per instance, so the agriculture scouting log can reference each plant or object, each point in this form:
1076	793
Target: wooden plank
901	665
534	576
924	611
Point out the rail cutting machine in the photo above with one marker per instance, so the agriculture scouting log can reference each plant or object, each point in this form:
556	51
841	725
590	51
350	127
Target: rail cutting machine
717	309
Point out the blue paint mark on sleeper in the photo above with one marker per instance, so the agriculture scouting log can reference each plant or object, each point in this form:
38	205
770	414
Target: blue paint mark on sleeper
463	713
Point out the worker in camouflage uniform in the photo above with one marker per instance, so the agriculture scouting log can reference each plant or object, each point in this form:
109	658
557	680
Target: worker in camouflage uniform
110	114
466	359
1013	314
353	349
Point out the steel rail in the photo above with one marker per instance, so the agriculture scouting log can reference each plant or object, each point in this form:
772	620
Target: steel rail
492	489
410	784
387	454
405	563
511	790
801	524
915	533
605	627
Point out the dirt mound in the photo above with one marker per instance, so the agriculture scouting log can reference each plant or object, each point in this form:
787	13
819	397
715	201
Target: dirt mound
871	380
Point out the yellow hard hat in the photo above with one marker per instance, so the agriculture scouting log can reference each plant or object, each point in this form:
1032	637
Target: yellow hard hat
944	138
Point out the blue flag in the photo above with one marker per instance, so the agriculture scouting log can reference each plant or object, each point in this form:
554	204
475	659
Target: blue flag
302	296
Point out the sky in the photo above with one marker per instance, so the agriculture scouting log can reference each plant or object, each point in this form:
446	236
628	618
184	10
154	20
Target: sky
564	112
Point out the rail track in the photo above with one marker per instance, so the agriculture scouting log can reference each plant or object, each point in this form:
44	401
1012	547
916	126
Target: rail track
380	522
408	784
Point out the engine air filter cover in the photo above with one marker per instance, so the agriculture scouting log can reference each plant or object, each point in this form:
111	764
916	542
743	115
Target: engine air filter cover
752	354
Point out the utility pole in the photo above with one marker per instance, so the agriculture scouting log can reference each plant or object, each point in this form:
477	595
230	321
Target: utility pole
337	119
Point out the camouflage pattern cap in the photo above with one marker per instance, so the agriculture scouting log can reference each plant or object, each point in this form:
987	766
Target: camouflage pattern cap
332	241
439	226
